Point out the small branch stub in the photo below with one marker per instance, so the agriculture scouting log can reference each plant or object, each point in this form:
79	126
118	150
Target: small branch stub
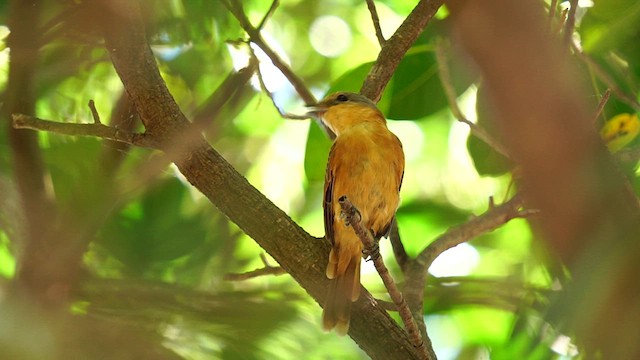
94	112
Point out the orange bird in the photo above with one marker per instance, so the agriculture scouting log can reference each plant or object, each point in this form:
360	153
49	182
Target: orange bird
366	164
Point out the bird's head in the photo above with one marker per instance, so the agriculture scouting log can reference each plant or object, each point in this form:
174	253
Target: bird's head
342	110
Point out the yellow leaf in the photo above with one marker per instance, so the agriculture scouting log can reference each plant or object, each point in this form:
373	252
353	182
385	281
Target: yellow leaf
620	130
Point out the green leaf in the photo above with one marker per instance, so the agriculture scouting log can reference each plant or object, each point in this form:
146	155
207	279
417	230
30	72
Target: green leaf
155	229
609	25
416	91
316	153
352	80
487	161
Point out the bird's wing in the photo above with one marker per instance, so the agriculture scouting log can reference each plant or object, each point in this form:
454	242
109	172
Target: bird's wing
400	164
398	167
328	198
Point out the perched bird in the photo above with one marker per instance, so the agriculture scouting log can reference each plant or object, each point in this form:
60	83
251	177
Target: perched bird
366	164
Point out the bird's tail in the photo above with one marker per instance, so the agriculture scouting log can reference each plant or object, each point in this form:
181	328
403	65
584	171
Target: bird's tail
343	290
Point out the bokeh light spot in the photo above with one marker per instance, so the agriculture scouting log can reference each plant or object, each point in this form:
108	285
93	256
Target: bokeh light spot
330	36
457	261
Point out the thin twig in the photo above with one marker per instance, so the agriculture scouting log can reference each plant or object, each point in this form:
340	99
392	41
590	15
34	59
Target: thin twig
450	92
570	24
561	22
352	218
376	22
267	270
601	104
255	37
291	116
265	18
605	78
21	121
263	86
94	112
402	258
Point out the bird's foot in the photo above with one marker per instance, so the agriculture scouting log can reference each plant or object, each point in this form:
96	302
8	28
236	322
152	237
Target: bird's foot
350	214
372	252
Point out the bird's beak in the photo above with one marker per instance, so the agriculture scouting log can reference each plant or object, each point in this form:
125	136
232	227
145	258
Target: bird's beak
316	110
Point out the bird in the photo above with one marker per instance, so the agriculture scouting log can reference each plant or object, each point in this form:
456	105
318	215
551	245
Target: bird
366	164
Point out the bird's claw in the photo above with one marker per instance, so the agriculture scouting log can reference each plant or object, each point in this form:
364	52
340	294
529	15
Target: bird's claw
371	253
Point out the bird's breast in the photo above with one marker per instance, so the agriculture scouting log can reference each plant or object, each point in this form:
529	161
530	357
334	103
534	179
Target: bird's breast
367	175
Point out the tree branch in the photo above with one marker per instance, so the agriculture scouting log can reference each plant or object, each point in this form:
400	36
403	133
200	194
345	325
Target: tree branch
601	104
235	7
21	121
399	251
394	49
416	273
570	24
267	270
489	221
376	22
606	78
352	218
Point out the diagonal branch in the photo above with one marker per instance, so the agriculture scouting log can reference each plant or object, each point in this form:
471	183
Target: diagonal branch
416	273
394	49
489	221
235	7
376	22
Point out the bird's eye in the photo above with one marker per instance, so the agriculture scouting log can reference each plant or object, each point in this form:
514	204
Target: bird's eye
342	98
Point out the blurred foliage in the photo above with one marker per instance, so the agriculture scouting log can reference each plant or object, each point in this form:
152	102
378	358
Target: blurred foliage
158	259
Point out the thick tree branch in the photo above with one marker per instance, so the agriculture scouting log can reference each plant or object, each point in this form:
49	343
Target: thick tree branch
299	254
394	49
